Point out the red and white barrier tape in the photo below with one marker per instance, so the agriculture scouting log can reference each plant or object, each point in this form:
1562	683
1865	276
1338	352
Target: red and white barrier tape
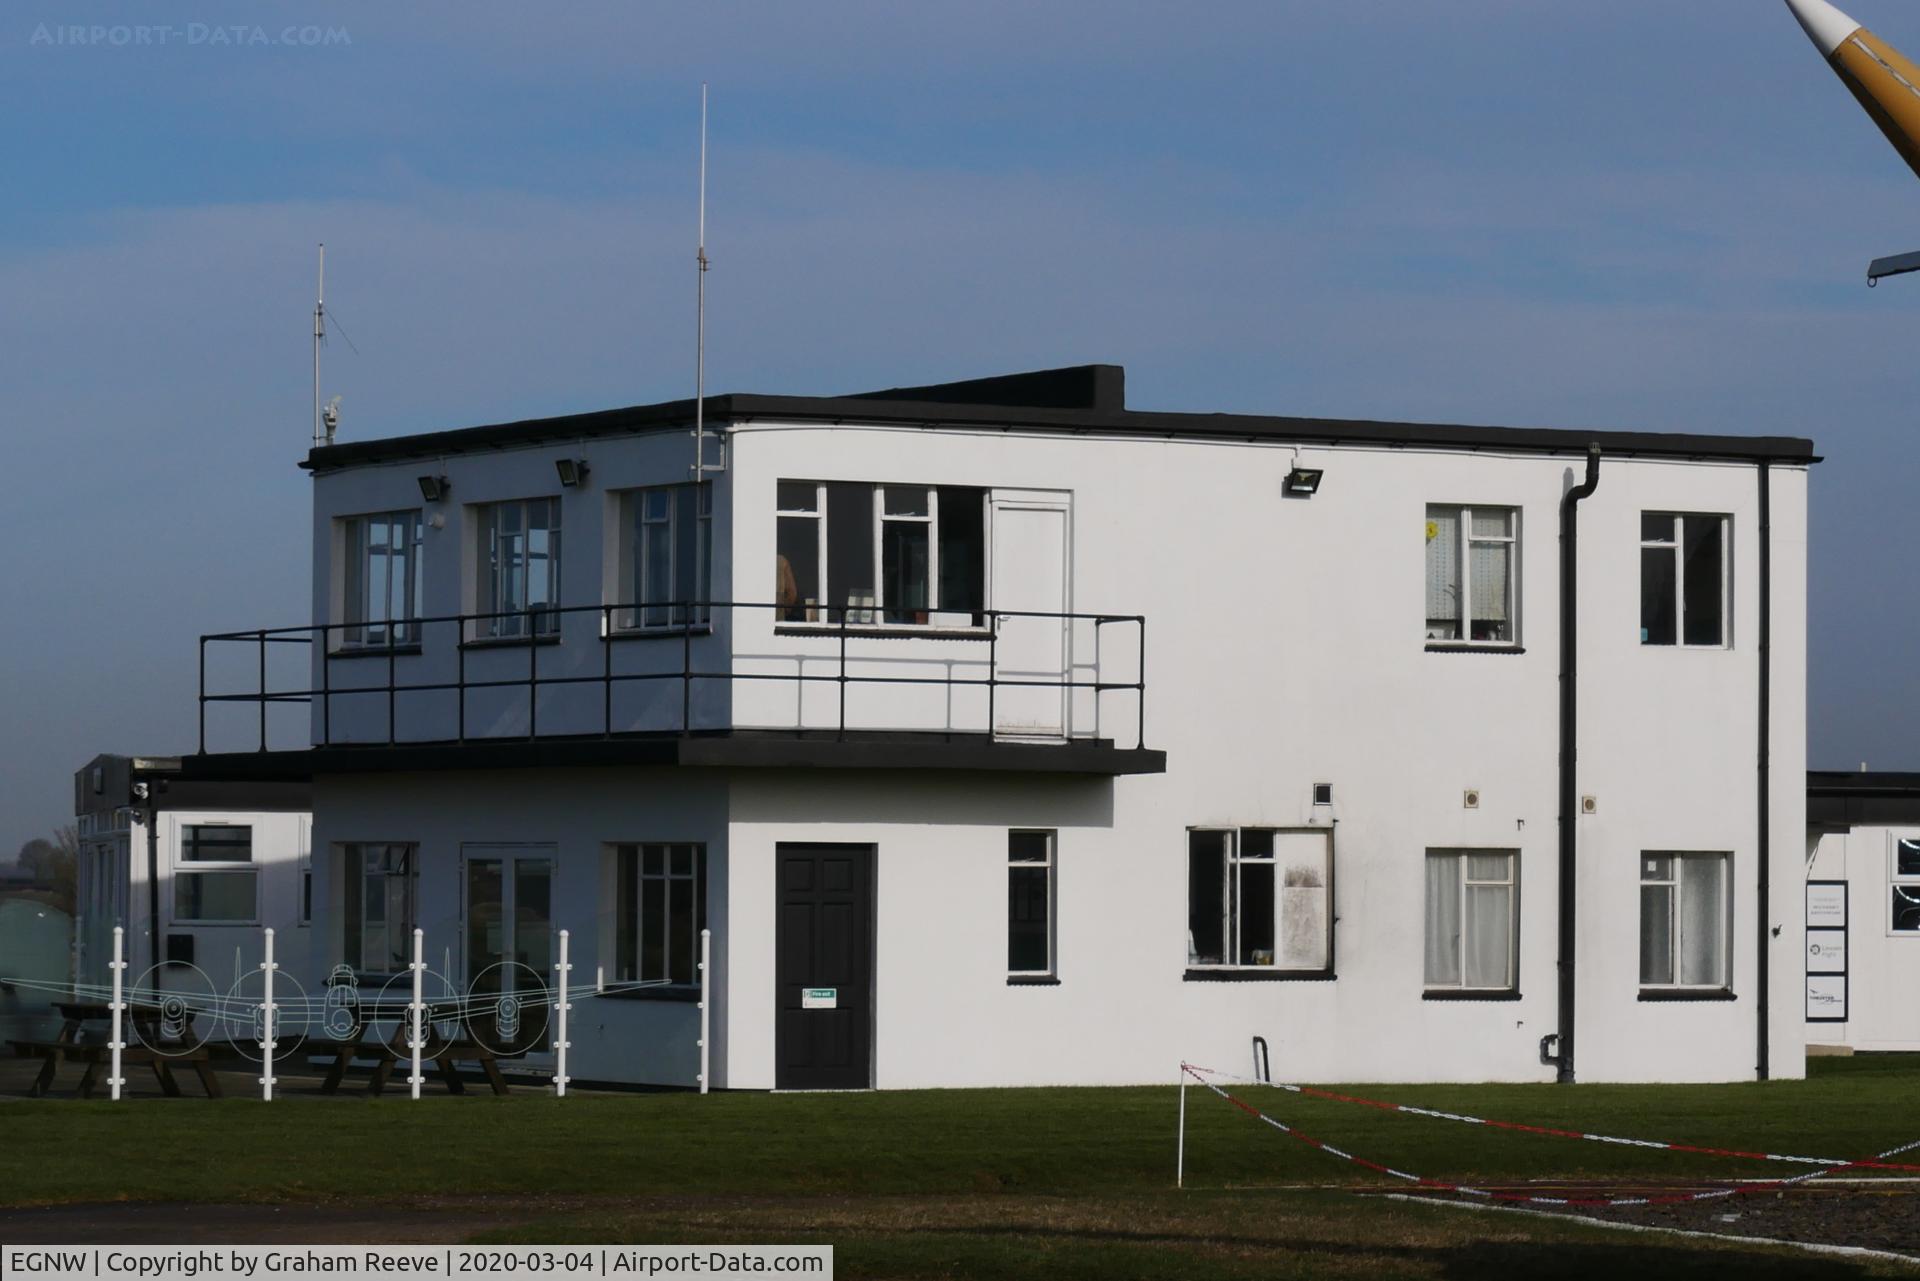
1201	1074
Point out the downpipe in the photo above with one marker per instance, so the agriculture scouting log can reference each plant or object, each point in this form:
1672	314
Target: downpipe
1561	1054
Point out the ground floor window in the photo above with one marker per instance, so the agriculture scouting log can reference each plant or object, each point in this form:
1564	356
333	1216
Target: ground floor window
1259	898
1030	903
382	906
1473	916
1684	912
660	909
214	879
1904	917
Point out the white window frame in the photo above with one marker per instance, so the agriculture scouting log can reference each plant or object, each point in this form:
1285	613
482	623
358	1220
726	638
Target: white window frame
633	589
1677	914
488	577
1050	866
1678	547
1232	897
1511	883
357	615
634	852
185	867
1464	559
1898	884
353	854
874	613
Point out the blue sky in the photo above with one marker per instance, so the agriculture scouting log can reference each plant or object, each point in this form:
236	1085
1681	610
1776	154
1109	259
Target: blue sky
1636	214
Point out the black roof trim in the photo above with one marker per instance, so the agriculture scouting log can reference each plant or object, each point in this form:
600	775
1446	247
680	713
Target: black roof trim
1097	393
1849	798
745	749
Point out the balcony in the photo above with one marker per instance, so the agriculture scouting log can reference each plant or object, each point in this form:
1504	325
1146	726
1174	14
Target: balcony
694	683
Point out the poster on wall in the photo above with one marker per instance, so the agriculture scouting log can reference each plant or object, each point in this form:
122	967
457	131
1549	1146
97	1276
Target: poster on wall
1826	998
1826	904
1826	968
1826	951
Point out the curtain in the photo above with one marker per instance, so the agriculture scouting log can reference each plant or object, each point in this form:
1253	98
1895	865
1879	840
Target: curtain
1443	920
1489	936
1703	920
1489	563
1443	564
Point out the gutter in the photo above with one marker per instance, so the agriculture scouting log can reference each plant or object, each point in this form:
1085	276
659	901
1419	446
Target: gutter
1762	957
1562	1057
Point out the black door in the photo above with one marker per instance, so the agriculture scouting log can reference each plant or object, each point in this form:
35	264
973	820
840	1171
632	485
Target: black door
823	944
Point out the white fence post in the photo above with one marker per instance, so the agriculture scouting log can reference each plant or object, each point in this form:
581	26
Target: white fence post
414	1011
267	1045
560	1006
706	1008
1180	1147
117	1043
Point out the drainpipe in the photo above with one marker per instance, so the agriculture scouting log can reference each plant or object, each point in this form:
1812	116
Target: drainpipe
1569	743
1762	953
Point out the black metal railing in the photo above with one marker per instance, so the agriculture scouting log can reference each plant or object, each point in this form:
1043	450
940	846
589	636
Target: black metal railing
702	625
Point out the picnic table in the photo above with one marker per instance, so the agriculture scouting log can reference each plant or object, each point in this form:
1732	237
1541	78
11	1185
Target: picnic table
71	1044
444	1052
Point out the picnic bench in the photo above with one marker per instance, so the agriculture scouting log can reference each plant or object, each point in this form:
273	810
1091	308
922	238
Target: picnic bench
69	1045
444	1052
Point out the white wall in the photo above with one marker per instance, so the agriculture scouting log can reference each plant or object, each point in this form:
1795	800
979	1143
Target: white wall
1285	649
1882	966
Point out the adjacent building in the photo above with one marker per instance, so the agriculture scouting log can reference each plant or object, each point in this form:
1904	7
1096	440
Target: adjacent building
1862	910
1004	735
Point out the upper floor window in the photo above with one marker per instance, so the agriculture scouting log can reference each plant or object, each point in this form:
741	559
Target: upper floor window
383	584
519	568
907	555
1684	909
1257	897
668	554
1683	580
1470	574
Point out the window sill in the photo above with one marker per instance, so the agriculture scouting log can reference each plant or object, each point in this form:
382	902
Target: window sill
1462	647
508	642
881	631
1686	994
1262	974
1033	980
658	633
674	995
411	650
1688	649
1467	994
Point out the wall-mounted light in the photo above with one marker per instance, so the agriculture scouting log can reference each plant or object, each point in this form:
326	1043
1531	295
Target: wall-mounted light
572	470
434	488
1303	482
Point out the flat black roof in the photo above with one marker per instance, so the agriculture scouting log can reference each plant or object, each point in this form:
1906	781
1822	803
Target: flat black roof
1084	399
1846	798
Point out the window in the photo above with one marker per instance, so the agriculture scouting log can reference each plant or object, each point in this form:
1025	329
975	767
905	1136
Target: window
1470	574
669	554
1684	908
520	568
1683	580
214	879
1473	915
1259	898
1030	903
381	907
306	886
382	593
1905	905
661	907
906	555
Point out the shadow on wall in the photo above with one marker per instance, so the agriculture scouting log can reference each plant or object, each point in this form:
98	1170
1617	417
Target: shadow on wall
36	955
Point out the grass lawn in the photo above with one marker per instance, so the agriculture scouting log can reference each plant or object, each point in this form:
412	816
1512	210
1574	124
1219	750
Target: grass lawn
1055	1183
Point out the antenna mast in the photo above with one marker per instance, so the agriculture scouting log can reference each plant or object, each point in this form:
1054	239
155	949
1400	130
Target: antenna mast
700	313
320	433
